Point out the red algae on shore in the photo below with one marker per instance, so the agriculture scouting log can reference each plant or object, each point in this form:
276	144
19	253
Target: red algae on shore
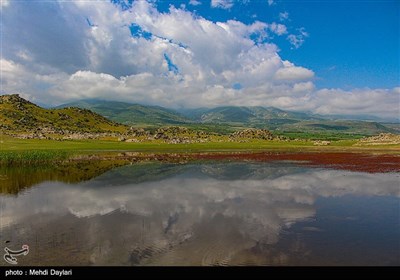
363	162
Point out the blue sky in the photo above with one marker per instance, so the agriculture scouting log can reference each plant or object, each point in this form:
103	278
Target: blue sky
326	57
351	44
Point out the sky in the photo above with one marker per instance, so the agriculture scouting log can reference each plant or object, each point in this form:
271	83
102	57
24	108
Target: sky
324	57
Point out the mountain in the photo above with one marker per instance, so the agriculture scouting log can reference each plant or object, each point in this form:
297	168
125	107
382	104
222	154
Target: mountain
251	116
368	118
286	122
336	127
19	115
141	115
226	119
131	114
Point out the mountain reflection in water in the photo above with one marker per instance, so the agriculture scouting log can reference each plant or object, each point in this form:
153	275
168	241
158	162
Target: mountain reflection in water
208	214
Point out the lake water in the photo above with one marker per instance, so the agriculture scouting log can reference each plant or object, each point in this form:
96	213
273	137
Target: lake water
215	213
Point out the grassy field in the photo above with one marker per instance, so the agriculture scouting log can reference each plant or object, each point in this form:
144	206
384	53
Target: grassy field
33	151
329	136
12	144
32	157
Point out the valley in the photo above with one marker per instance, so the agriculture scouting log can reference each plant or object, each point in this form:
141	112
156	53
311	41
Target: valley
27	127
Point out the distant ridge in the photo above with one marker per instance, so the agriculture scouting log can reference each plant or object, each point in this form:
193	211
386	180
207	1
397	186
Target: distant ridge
20	115
233	117
131	114
136	114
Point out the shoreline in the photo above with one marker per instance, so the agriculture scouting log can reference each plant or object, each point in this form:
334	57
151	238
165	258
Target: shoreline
8	143
343	154
360	161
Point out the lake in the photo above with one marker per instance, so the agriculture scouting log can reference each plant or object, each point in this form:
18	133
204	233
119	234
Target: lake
200	213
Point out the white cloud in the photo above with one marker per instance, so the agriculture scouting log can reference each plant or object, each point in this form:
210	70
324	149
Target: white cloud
62	57
283	16
4	3
194	2
223	4
277	28
379	102
306	87
291	72
298	39
271	2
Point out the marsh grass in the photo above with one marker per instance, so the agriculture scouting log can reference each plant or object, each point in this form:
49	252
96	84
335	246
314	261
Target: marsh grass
32	157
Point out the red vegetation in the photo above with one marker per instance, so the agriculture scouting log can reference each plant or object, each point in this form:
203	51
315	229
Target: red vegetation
372	163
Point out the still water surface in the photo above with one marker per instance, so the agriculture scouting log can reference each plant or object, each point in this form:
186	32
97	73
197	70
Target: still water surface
237	213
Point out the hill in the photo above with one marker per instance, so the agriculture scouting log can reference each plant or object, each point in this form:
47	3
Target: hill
333	129
131	114
227	119
296	124
21	116
247	116
141	115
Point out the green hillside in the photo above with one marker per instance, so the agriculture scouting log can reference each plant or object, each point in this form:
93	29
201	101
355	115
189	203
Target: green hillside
292	124
131	114
333	129
19	115
227	119
252	116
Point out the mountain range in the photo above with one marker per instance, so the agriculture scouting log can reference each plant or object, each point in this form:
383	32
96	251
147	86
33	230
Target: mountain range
231	117
130	114
97	116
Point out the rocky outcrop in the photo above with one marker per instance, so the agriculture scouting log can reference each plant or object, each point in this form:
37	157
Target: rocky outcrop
321	143
138	132
170	134
253	133
381	139
15	100
167	133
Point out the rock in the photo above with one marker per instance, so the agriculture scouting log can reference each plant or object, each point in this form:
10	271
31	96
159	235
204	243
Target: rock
138	132
252	133
132	140
381	139
321	143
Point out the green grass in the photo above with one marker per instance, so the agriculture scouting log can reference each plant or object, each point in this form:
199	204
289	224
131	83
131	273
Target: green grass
12	144
20	116
330	136
30	157
29	151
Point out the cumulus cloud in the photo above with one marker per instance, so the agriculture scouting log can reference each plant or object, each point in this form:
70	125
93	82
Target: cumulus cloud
379	102
223	4
83	49
290	72
55	39
283	16
298	39
278	28
194	2
271	2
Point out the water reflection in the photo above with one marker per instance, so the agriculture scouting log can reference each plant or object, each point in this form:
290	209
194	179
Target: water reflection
15	179
198	214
